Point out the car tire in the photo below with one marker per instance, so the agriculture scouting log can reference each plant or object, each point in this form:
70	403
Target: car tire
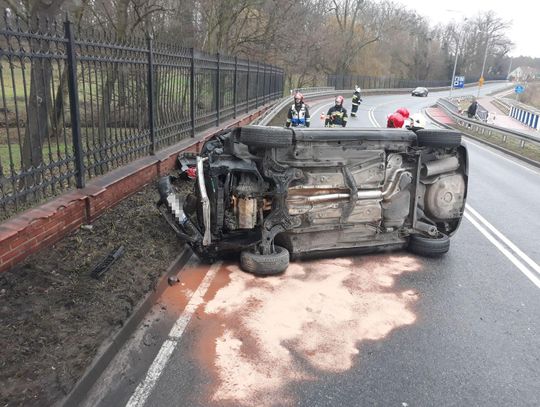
438	138
265	264
263	136
429	246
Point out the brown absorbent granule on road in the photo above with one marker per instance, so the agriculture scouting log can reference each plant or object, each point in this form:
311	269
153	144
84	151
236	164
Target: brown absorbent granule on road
317	311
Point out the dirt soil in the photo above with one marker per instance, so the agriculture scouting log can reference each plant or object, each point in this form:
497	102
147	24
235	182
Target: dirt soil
54	315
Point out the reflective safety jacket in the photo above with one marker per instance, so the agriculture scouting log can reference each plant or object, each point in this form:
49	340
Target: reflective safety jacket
336	116
356	99
298	116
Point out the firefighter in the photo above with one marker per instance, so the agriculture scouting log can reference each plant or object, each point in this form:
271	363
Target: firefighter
356	99
337	114
298	115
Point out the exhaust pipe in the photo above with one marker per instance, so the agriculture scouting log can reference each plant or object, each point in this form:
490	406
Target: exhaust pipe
440	166
387	194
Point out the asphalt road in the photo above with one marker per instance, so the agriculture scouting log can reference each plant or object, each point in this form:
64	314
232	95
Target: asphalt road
381	330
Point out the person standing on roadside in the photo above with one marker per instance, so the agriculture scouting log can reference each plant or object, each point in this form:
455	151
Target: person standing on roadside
356	99
337	114
471	110
298	115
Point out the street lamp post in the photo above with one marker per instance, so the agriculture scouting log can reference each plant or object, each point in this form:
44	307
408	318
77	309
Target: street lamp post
461	36
509	68
481	80
455	64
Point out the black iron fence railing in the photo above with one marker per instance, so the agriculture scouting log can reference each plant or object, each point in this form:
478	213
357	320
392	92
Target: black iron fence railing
347	81
75	105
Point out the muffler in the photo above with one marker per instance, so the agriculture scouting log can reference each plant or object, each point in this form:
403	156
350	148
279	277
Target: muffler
440	166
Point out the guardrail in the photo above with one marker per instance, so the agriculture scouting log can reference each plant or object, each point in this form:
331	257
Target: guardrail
312	90
519	144
502	105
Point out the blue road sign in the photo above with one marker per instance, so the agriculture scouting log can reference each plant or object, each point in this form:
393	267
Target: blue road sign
459	81
519	89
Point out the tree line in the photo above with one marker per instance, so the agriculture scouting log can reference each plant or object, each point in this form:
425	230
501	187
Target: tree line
309	38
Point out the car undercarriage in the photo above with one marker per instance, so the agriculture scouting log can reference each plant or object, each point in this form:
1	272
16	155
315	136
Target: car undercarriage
272	194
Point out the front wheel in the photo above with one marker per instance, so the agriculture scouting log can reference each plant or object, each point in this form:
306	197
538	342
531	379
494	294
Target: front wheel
265	264
266	136
429	246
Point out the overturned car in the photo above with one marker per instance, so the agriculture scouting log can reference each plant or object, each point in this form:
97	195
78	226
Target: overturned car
272	194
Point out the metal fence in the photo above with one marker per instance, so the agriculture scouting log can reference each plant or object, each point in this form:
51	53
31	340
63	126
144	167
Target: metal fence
346	81
76	105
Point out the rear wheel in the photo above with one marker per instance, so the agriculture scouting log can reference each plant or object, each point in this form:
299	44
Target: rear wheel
429	246
265	264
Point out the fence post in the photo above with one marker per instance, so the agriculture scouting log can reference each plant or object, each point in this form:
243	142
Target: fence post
151	118
263	101
235	91
247	88
266	83
192	93
218	90
257	86
74	105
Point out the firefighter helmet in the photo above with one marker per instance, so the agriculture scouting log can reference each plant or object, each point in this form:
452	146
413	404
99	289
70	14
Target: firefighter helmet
395	120
404	112
418	121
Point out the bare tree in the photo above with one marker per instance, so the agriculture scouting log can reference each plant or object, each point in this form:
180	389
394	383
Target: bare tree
40	13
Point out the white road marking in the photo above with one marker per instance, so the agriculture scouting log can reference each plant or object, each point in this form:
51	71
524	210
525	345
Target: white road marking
528	273
505	240
144	389
371	117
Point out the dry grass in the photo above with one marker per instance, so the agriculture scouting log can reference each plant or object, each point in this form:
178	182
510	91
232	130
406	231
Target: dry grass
531	96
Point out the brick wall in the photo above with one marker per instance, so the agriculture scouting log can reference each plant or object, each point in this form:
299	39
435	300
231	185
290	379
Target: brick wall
41	227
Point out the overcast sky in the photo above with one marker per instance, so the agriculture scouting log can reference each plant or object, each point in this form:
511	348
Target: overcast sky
523	14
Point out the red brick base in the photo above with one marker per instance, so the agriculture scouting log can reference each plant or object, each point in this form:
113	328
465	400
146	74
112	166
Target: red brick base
40	227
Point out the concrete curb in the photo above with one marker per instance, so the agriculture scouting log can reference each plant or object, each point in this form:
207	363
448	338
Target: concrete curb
112	346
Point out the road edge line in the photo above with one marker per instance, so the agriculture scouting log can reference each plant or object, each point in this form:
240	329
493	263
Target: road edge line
511	245
521	267
146	386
